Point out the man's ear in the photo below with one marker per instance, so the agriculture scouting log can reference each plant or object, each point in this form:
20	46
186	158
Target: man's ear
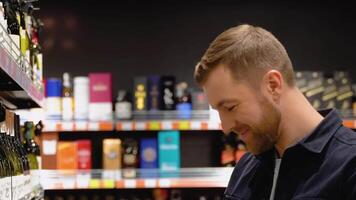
273	83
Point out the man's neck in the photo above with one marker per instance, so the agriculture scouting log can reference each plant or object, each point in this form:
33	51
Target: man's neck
298	120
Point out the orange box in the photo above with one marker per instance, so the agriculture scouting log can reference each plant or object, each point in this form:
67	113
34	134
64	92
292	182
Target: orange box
111	154
67	155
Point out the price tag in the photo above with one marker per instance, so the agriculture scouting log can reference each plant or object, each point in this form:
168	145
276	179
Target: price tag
126	126
81	126
67	126
50	126
195	125
68	183
184	125
94	184
150	183
140	126
83	180
214	126
154	126
167	125
109	183
164	183
130	183
93	126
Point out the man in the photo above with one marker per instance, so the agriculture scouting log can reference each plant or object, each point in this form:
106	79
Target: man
295	151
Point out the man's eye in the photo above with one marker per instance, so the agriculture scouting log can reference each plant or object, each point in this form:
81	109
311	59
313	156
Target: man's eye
231	108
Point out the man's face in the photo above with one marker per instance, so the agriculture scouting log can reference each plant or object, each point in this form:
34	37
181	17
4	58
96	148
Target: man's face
243	109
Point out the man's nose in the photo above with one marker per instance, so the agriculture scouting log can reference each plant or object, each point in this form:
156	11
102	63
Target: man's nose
227	123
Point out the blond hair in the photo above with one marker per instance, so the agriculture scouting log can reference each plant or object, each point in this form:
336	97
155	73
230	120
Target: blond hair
247	51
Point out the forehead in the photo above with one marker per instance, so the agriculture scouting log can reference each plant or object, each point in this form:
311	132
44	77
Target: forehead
220	86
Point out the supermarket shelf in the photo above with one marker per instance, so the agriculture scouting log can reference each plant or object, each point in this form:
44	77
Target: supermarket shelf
115	179
62	126
136	125
17	88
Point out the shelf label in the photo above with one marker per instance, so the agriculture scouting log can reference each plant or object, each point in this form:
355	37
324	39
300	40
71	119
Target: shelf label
214	126
68	183
130	183
195	125
67	126
108	183
93	126
50	126
126	126
94	183
154	126
167	125
81	126
150	183
164	183
83	180
140	126
183	125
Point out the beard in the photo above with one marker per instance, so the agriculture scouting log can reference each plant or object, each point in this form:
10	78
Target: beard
264	133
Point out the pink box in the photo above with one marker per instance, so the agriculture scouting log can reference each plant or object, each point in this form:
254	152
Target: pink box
100	87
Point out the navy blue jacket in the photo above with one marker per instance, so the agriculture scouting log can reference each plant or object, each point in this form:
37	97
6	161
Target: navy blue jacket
319	167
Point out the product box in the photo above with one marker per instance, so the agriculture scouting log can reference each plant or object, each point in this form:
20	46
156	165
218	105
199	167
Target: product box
329	98
84	154
100	96
140	94
344	98
169	150
167	91
148	153
112	154
199	101
153	93
67	155
48	147
315	89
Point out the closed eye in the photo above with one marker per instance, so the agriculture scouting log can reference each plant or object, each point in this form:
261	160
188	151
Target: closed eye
231	108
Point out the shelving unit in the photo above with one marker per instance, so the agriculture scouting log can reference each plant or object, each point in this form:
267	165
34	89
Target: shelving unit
105	179
134	125
17	90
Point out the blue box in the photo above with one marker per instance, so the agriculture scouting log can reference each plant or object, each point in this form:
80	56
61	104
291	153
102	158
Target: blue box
169	150
148	153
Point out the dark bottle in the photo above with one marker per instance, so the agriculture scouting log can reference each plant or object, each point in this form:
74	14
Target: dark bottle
30	145
129	157
18	144
167	91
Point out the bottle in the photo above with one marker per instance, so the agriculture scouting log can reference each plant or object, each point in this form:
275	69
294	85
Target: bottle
67	98
183	101
53	106
7	165
129	157
81	98
30	145
123	107
167	91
